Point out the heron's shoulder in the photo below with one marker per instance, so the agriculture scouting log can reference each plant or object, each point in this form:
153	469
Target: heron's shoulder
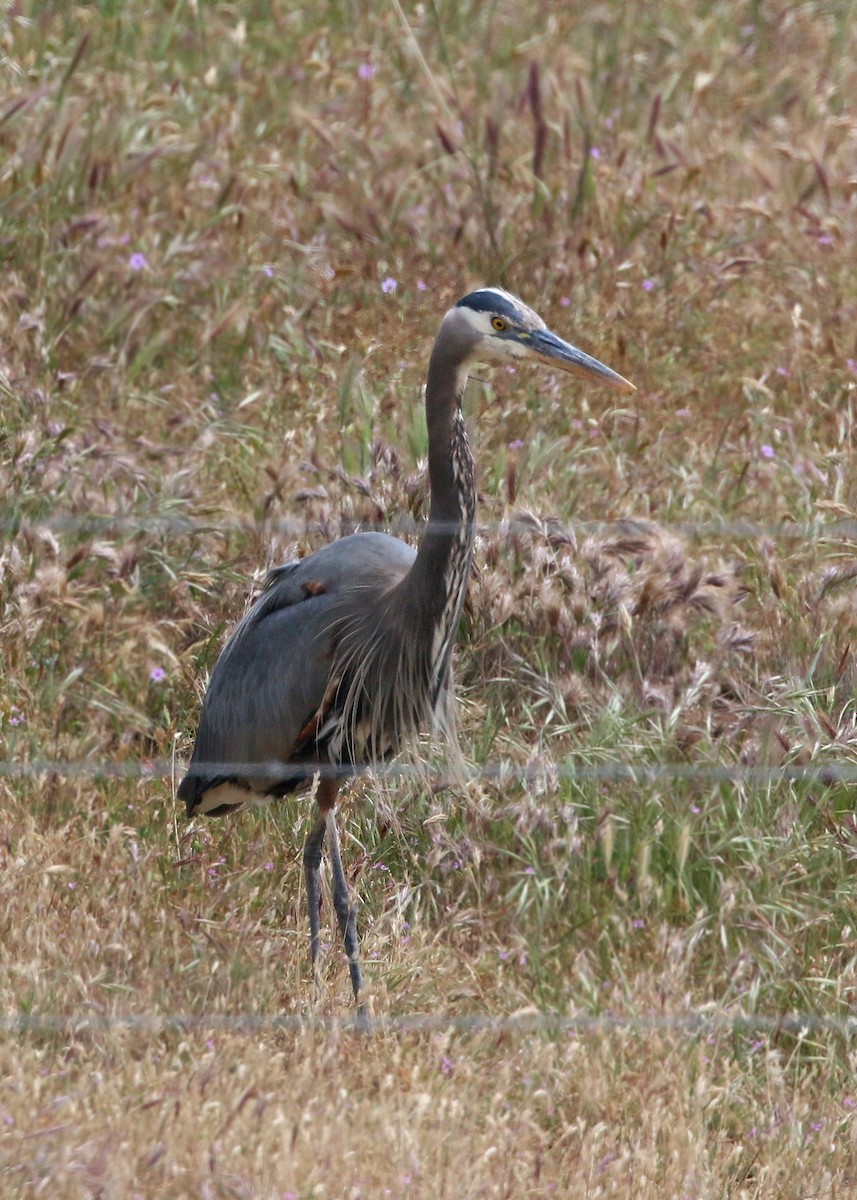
369	551
358	561
376	555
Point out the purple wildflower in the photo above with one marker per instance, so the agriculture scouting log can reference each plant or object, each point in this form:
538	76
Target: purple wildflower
517	444
564	301
767	451
422	286
157	675
594	152
388	285
851	364
366	71
648	285
138	262
269	271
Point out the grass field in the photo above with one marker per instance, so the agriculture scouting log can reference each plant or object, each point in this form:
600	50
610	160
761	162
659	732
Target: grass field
228	234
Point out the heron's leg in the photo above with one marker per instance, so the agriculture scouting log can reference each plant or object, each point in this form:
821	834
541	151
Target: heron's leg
346	911
312	862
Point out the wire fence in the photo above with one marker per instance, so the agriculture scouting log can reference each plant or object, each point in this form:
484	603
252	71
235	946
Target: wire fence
102	524
541	772
688	1024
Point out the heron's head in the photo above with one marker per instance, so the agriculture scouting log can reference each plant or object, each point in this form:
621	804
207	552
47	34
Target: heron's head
495	326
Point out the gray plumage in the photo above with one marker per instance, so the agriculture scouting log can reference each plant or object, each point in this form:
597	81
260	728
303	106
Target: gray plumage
264	691
347	652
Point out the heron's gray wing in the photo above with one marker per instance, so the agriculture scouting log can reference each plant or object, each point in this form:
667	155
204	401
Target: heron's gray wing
369	563
264	689
368	559
274	675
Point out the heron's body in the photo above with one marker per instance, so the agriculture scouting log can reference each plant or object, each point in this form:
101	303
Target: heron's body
273	706
347	652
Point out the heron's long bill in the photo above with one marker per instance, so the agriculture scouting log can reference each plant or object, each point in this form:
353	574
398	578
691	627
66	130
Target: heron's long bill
557	353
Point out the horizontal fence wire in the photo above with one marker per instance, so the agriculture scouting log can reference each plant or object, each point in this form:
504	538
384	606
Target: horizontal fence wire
499	772
95	525
691	1025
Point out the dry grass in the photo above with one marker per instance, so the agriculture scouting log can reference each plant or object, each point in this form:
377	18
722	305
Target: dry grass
422	1116
200	371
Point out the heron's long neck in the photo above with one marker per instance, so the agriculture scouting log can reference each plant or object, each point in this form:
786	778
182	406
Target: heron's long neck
442	568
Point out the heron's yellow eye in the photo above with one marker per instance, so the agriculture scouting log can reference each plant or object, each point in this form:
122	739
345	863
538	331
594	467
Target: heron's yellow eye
498	323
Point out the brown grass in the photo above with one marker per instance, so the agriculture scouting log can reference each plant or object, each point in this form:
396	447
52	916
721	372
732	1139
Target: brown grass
200	373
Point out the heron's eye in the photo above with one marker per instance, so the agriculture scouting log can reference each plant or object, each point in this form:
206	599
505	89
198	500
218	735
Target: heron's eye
498	323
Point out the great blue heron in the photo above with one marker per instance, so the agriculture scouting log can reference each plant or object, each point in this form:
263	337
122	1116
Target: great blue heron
347	651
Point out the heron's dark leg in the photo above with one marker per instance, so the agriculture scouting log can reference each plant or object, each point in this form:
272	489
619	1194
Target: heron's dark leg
312	862
346	911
